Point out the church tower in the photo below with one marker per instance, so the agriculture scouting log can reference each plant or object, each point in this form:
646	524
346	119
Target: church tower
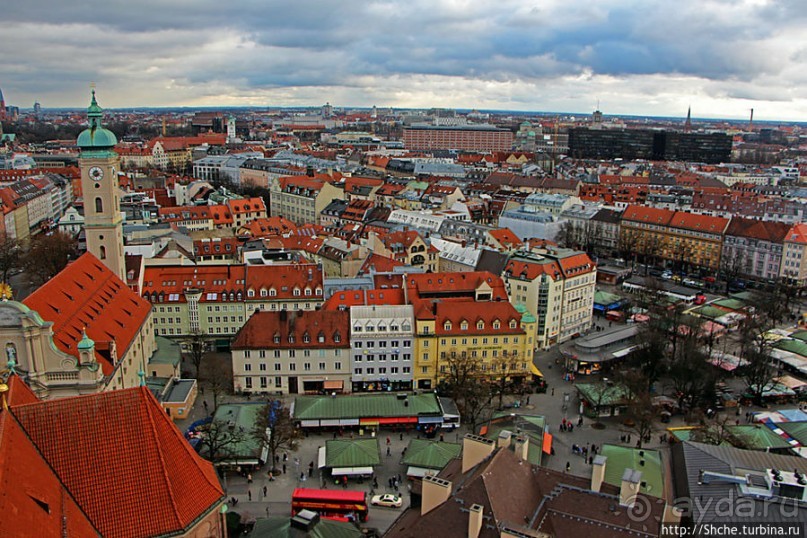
103	223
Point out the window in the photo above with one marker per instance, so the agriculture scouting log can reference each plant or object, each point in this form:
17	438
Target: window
291	353
337	365
464	325
263	382
496	325
424	369
262	367
278	366
480	325
322	366
371	370
277	353
247	367
262	354
307	366
357	344
248	382
447	326
278	381
99	205
292	367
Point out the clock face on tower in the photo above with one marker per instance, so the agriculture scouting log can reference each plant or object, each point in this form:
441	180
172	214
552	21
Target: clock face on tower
96	173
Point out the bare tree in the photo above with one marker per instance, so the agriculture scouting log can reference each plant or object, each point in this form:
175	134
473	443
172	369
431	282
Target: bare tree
467	386
48	255
219	439
732	265
10	256
504	368
275	429
196	346
218	378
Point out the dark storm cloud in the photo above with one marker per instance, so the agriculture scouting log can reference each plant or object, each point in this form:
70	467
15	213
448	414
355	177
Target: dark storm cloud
206	47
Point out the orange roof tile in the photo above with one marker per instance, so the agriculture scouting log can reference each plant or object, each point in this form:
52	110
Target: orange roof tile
455	312
346	298
124	461
701	223
247	205
35	502
650	215
87	295
505	237
318	329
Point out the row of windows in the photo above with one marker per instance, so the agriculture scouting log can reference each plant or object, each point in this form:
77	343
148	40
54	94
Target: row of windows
382	328
382	343
292	353
480	325
381	371
293	367
474	341
381	357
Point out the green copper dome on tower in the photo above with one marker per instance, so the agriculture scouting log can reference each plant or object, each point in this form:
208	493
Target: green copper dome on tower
95	139
85	343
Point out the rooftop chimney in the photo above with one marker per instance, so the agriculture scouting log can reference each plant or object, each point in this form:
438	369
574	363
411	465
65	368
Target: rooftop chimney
504	439
474	450
629	487
435	491
522	447
598	472
474	520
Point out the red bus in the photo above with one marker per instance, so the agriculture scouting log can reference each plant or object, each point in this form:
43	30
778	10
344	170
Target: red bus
330	503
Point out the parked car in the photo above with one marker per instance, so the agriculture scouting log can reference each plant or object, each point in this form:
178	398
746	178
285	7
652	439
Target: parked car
388	500
667	275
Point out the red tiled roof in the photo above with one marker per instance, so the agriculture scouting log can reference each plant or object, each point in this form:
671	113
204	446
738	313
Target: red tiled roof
347	298
185	212
34	500
217	246
505	237
531	271
764	230
87	295
315	329
797	234
261	227
701	223
124	461
472	312
221	215
651	215
379	264
456	283
247	205
19	392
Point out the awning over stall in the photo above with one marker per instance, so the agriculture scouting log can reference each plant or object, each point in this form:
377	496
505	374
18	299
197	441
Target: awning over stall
352	471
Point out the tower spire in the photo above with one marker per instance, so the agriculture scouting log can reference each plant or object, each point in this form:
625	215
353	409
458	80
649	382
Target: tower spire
688	123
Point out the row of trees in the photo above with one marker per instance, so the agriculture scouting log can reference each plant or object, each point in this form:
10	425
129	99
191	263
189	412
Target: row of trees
273	429
40	259
674	351
477	391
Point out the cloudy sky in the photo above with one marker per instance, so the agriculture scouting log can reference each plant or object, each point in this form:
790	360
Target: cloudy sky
646	57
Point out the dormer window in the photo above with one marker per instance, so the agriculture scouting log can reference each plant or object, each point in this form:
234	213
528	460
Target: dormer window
306	338
513	324
496	325
319	291
276	338
308	292
272	292
447	326
480	325
321	338
250	293
296	292
264	293
357	329
291	339
337	337
464	325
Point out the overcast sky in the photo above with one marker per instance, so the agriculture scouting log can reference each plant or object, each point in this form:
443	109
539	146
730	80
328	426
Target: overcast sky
645	57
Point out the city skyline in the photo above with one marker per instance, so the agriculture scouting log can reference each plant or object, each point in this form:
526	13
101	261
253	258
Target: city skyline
647	59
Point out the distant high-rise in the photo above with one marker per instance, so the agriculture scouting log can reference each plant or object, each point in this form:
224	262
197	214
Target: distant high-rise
37	109
327	110
2	106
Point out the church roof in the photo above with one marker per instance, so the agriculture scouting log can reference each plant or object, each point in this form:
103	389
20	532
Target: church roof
95	137
123	461
86	295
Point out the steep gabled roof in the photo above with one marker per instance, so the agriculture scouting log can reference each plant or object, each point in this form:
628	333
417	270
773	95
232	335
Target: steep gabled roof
763	230
33	499
87	295
123	461
649	215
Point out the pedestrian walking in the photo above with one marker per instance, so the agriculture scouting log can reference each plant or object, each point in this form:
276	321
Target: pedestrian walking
264	492
553	391
205	404
568	466
310	472
441	437
401	436
403	452
249	478
388	453
284	468
285	456
387	441
528	400
249	495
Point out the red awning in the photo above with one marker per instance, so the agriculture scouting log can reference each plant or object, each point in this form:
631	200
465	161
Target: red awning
398	420
547	448
332	385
